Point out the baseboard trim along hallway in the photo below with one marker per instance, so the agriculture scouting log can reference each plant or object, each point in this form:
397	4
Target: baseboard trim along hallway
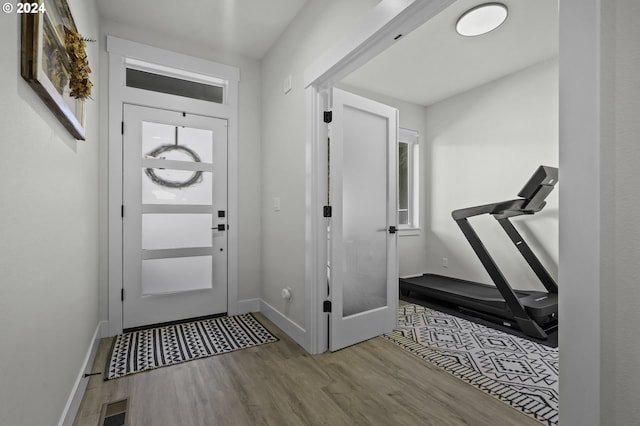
293	330
80	385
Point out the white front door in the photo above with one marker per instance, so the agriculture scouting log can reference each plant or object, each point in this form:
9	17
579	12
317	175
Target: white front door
174	216
363	242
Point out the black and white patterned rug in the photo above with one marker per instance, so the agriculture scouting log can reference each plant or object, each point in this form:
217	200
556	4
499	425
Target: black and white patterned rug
159	347
522	373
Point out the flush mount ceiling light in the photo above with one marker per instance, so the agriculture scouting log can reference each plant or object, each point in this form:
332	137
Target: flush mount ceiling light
481	19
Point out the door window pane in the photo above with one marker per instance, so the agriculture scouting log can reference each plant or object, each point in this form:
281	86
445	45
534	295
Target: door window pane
169	231
175	275
155	135
158	187
199	140
193	144
364	201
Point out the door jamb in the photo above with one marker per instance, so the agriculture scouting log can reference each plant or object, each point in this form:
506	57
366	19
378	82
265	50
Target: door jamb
375	33
120	51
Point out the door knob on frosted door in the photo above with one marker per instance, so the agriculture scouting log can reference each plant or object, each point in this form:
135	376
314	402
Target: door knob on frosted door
391	230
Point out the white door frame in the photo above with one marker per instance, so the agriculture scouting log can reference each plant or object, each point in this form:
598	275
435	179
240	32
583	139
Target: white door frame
122	53
584	44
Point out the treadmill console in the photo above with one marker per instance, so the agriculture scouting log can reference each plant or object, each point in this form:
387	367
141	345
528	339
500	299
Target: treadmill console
539	186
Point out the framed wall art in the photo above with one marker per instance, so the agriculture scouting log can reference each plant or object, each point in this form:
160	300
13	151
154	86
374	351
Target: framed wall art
53	58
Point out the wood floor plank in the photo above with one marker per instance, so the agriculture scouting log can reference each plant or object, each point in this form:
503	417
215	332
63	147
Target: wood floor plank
372	383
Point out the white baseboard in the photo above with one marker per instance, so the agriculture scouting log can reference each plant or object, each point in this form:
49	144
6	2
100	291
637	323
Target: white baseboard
77	392
248	305
292	329
104	329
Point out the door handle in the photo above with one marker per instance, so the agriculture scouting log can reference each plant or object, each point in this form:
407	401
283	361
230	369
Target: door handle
221	227
391	230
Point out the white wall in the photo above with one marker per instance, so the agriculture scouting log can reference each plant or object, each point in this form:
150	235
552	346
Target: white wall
48	238
412	249
316	28
249	149
587	169
627	214
483	145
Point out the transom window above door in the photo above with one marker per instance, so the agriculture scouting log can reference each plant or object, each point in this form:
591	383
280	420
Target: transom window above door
171	81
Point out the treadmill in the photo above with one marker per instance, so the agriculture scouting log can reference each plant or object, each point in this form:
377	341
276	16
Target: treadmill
533	312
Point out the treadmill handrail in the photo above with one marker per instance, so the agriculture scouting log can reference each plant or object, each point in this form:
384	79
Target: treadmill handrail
473	211
513	206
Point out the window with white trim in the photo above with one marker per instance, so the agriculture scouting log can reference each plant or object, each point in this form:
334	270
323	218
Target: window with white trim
171	81
408	172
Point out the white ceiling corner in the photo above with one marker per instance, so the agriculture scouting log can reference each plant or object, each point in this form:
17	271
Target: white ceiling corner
246	27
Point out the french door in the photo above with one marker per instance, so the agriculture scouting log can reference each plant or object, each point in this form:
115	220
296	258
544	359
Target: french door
363	243
174	216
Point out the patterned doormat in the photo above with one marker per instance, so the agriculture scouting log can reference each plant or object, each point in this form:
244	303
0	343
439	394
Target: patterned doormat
522	373
159	347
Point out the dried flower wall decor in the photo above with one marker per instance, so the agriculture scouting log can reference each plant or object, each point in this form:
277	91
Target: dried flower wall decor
79	82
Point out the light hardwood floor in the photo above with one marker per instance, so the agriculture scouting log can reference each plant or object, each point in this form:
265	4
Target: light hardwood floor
372	383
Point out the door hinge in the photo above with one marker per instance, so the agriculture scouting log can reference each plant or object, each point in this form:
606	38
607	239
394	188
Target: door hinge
328	116
122	210
122	294
326	306
122	127
326	211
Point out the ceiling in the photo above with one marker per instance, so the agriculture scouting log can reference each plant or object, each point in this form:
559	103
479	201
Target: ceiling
247	27
428	65
434	62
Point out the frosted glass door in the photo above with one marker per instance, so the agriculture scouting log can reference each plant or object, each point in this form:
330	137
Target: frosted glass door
364	212
363	196
175	190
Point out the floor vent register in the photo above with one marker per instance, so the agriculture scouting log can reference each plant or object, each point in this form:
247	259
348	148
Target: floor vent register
114	413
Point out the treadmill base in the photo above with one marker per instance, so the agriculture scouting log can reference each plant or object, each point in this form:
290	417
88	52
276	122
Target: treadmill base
485	301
